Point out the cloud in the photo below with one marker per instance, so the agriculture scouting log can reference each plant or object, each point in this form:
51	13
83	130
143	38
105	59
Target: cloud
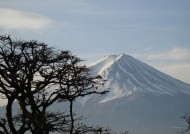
175	55
14	19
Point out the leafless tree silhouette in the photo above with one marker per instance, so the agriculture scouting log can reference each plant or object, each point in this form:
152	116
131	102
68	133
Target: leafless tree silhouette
35	77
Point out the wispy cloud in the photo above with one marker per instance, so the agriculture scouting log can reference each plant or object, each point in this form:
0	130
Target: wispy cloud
14	19
174	55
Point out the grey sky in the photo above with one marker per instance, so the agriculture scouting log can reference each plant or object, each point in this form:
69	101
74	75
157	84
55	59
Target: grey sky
154	31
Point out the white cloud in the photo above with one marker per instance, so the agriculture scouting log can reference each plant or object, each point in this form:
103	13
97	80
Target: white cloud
171	56
14	19
179	54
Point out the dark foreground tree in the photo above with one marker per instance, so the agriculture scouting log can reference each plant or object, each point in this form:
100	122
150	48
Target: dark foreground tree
36	76
186	117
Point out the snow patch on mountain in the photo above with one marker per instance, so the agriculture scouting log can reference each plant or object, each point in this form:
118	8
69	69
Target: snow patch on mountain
125	75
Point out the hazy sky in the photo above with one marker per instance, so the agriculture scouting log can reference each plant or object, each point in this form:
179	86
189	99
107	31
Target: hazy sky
155	31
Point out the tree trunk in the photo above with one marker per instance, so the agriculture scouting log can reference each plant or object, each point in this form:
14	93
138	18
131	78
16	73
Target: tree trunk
9	116
71	115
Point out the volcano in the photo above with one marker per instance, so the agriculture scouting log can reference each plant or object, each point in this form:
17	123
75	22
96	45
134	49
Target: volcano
141	99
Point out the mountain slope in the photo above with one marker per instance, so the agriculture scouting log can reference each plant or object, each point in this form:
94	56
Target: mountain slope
141	98
125	75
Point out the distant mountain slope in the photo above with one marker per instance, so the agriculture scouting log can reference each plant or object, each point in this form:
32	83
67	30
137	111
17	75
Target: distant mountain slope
125	74
141	98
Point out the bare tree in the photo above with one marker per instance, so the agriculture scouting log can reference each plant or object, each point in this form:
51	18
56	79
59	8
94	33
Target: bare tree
83	129
35	77
186	117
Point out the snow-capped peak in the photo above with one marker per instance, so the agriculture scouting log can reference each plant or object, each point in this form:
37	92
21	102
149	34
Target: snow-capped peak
105	62
125	75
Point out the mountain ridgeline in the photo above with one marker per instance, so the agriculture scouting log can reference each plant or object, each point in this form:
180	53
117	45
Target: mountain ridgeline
125	75
140	99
